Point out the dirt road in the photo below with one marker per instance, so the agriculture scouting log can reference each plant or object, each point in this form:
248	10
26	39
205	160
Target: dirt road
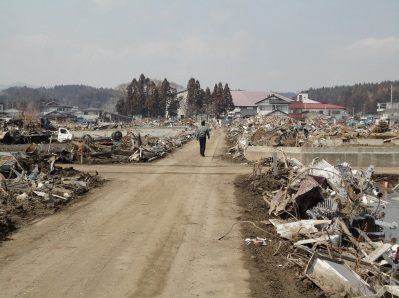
151	231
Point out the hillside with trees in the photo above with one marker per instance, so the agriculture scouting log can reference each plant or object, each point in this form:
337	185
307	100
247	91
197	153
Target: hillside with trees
27	98
358	99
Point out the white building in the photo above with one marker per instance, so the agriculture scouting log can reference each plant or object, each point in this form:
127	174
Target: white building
303	107
389	112
271	104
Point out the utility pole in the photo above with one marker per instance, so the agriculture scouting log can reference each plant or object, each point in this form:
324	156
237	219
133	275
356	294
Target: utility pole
391	97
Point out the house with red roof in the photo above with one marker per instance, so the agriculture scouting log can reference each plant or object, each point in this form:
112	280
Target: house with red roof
301	108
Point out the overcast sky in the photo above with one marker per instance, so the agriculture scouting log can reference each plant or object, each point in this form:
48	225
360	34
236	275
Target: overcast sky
259	45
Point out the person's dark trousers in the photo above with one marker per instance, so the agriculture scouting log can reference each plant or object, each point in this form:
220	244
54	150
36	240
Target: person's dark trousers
202	142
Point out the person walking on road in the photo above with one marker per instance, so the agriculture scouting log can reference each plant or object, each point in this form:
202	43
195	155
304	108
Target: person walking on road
201	134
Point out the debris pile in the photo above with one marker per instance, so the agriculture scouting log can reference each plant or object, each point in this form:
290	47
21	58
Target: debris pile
89	147
277	131
15	135
33	186
266	131
333	220
144	122
117	149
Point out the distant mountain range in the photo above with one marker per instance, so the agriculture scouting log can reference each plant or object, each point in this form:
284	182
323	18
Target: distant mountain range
288	94
71	95
17	84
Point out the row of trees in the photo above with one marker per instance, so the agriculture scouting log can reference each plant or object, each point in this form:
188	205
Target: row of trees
150	99
214	104
145	97
359	98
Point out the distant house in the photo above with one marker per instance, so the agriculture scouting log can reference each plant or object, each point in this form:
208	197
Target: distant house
12	113
278	113
271	104
182	110
76	111
4	116
304	97
92	114
390	112
60	116
181	96
302	107
115	117
246	101
88	114
54	106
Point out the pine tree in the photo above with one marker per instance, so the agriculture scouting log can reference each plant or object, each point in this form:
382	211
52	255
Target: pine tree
228	98
136	105
199	99
208	102
120	106
173	106
152	99
163	97
218	100
167	94
129	105
190	102
141	95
